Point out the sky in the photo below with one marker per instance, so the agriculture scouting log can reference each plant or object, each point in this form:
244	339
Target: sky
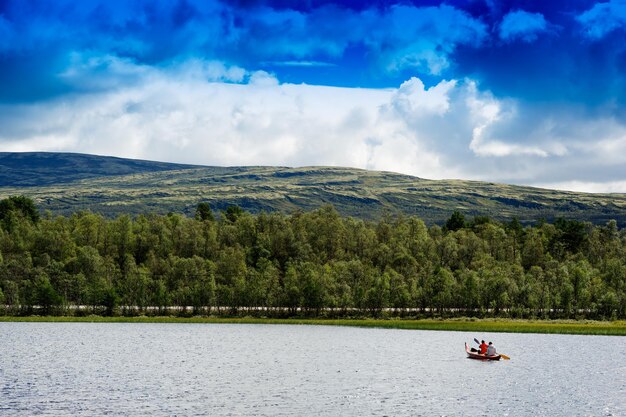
519	92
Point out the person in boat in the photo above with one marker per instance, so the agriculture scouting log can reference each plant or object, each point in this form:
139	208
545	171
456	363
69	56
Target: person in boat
482	349
491	350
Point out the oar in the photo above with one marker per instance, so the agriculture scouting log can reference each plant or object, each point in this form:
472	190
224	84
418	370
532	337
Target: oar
477	342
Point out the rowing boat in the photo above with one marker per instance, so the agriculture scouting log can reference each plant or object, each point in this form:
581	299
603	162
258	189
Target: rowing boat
476	355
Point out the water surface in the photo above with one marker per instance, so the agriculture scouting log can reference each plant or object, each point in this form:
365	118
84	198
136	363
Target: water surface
86	369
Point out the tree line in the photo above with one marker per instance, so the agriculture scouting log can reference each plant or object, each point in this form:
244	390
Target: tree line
314	263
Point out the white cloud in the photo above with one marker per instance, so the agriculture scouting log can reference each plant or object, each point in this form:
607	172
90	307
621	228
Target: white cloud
603	18
263	79
107	72
422	37
413	99
177	115
522	25
487	111
213	114
604	187
299	64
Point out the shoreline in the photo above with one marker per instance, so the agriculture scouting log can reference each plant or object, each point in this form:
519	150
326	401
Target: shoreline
587	327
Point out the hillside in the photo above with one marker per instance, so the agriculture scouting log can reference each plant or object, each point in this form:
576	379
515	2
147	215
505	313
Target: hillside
30	169
64	183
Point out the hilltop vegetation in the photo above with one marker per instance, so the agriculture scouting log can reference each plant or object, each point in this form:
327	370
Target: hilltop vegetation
29	169
67	183
125	236
316	263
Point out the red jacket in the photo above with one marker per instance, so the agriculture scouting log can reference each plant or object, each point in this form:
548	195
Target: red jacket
483	348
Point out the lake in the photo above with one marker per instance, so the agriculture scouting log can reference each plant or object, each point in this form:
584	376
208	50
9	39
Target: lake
87	369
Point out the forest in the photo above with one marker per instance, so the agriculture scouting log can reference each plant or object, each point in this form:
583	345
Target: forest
306	264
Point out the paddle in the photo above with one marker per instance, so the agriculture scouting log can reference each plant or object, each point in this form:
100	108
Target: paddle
502	355
476	340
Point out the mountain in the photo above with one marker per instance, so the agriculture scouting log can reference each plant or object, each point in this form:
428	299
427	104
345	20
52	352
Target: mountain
64	183
29	169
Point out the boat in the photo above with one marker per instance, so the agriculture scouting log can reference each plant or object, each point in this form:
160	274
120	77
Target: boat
476	355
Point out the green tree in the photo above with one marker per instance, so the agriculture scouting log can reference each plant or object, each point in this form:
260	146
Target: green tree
109	300
22	205
455	222
399	293
134	288
377	296
470	290
441	289
232	213
46	296
230	276
313	286
571	236
204	212
533	251
292	293
516	232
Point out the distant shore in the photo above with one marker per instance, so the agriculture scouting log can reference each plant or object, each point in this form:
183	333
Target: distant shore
608	328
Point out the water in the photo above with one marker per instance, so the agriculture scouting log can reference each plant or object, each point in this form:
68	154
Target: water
82	369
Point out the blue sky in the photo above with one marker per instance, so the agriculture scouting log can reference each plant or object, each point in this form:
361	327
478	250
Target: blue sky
525	92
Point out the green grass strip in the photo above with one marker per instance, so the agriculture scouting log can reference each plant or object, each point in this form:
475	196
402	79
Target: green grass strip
609	328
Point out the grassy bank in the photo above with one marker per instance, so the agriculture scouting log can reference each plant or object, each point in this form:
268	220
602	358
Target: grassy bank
614	328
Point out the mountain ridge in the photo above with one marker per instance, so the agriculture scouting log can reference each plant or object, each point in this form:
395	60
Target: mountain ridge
64	183
28	168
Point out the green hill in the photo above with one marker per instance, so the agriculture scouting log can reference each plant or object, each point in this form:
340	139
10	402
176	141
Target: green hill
44	168
64	183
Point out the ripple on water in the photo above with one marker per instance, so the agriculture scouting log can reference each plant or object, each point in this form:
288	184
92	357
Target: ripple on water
80	369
